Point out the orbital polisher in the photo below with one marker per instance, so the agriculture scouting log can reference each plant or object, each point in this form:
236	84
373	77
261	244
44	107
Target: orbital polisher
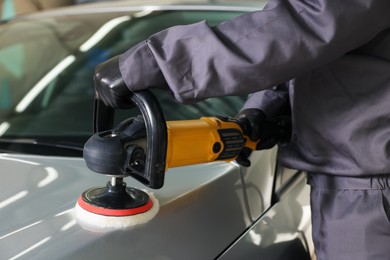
144	147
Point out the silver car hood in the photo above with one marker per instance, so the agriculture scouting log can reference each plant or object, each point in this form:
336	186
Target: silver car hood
201	212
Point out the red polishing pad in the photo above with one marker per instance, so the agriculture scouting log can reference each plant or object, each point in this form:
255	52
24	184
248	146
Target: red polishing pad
99	211
118	200
114	212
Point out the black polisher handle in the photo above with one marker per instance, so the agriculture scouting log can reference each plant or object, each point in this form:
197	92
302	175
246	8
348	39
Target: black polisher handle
157	139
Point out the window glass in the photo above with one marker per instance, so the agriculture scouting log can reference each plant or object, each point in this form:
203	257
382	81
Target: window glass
47	65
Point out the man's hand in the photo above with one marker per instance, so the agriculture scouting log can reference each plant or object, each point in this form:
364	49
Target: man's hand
251	119
258	127
268	132
110	86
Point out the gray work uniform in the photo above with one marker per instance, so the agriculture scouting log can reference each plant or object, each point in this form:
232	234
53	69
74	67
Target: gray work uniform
330	61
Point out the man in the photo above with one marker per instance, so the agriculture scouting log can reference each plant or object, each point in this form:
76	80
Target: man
330	61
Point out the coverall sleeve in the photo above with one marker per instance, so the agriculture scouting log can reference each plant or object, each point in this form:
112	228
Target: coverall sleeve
254	51
273	102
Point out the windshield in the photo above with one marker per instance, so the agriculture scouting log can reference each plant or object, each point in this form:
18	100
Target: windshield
46	71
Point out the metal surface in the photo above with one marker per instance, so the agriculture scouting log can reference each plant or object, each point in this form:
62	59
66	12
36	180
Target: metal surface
149	6
283	232
201	211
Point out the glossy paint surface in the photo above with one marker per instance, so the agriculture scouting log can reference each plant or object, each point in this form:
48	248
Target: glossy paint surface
202	210
283	232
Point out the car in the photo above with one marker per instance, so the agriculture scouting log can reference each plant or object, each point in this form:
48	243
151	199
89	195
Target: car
216	210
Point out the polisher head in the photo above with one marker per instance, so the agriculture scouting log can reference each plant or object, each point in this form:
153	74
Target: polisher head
115	206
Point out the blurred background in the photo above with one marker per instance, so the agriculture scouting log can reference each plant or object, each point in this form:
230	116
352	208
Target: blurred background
11	8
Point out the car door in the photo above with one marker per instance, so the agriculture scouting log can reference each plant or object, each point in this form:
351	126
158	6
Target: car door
278	205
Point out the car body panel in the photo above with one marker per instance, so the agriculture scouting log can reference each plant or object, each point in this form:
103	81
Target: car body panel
39	194
283	232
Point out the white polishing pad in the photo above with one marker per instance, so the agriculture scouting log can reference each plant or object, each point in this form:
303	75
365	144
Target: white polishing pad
100	223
